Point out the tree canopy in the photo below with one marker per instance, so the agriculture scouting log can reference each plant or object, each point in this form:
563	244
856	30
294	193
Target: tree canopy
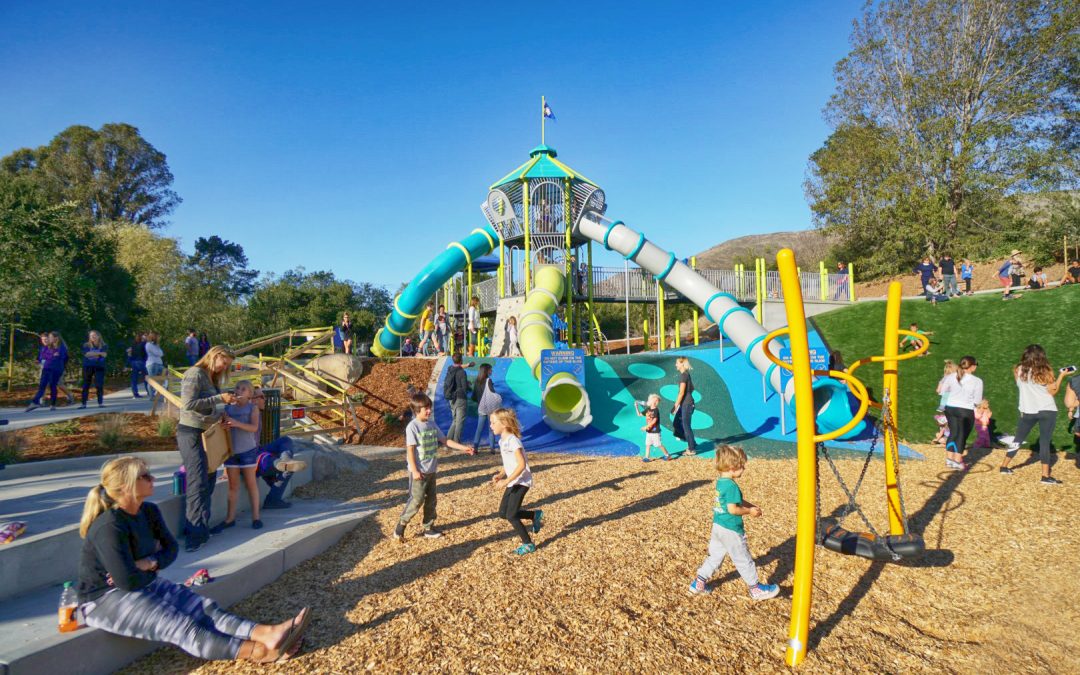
111	174
945	113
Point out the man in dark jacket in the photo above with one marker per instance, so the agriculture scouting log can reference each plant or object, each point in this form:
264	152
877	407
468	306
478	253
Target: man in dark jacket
456	392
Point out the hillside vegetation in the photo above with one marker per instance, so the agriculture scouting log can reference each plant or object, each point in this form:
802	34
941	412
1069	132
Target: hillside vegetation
993	331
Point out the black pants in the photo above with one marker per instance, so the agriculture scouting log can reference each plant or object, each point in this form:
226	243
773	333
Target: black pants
510	509
1046	419
96	374
200	484
967	285
961	422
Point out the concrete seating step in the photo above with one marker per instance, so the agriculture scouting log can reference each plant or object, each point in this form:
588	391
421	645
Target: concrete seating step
241	561
51	502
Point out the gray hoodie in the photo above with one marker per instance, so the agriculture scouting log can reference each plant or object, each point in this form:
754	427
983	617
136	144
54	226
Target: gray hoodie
198	398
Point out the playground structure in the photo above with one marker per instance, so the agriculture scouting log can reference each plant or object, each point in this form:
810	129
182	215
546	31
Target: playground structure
314	397
543	219
900	543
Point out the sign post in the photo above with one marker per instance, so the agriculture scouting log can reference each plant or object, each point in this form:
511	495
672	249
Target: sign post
819	360
554	361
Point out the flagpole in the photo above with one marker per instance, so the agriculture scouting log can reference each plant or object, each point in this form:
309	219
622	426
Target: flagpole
543	102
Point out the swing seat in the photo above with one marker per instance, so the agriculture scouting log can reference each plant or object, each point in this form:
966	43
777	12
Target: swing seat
889	548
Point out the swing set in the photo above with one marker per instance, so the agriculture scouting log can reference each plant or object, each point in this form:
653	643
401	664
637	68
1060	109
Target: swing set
811	529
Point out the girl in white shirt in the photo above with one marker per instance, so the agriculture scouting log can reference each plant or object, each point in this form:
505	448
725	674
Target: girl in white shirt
965	392
1037	388
515	477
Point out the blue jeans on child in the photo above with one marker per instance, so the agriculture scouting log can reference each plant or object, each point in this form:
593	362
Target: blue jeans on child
138	369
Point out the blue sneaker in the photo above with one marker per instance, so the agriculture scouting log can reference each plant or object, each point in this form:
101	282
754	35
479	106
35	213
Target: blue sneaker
764	591
698	587
525	549
538	521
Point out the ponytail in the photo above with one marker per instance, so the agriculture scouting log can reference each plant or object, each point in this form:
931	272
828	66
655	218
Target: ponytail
97	502
118	477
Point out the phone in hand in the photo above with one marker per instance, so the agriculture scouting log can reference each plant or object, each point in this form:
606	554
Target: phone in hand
1069	369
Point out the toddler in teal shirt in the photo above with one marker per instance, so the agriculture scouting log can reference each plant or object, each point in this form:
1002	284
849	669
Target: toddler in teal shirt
728	536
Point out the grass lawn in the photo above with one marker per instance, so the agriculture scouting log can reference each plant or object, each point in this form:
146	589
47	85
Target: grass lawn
993	331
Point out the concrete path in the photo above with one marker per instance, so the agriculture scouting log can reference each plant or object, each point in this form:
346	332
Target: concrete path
117	402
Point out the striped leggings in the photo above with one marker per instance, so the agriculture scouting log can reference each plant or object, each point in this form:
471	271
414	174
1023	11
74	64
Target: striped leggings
168	612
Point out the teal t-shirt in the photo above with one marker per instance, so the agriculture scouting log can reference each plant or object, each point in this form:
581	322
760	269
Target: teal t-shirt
727	492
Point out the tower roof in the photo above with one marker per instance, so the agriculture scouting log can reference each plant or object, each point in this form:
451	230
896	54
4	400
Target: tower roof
541	164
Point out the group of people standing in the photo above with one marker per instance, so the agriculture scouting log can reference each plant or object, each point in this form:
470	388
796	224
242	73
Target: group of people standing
1037	384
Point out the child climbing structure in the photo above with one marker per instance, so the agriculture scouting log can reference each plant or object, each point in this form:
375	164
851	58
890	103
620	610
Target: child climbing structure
543	219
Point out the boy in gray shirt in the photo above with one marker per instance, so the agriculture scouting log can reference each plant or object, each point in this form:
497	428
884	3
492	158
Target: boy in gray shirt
422	440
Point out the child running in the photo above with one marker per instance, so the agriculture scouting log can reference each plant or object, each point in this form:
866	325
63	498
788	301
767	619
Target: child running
651	413
950	371
728	535
422	440
515	477
983	415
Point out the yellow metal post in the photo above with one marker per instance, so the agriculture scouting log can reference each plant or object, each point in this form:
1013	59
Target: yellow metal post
662	328
11	356
823	279
528	245
693	265
588	281
502	265
678	335
890	385
645	333
806	521
851	281
739	269
759	273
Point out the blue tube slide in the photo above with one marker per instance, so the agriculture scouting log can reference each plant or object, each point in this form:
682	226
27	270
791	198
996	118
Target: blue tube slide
410	304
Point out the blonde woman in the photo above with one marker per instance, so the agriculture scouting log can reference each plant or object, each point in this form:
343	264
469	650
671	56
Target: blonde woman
126	543
684	404
94	352
200	394
1037	387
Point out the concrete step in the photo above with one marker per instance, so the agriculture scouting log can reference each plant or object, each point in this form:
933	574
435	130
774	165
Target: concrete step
51	502
241	561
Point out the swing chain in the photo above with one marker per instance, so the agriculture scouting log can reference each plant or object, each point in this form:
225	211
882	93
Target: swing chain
888	425
852	504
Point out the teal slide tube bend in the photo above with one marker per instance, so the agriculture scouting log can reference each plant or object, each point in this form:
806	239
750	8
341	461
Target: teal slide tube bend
410	304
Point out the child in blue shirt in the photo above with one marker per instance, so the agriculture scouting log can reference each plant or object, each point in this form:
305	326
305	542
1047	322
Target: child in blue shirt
966	271
728	535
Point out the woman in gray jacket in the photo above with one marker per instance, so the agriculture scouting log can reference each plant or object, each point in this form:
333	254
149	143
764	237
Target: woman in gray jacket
200	393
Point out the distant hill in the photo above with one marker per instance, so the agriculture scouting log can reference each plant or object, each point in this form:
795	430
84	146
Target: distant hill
809	246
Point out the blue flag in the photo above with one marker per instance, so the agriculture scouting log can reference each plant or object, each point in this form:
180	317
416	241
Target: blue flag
547	112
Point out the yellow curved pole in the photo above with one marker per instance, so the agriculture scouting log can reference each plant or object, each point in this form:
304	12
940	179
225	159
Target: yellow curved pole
806	523
890	389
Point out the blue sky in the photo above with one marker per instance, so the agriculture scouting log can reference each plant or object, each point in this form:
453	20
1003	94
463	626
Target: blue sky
362	137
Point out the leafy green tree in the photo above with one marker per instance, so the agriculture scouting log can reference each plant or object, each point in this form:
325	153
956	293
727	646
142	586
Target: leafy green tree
223	265
112	174
59	272
296	299
944	112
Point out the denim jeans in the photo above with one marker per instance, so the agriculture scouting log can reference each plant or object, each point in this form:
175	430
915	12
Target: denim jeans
481	424
50	378
138	369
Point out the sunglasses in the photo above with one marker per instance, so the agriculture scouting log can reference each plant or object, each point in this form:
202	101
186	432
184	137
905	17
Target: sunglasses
147	476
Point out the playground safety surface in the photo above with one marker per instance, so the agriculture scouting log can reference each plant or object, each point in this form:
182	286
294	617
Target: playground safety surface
606	592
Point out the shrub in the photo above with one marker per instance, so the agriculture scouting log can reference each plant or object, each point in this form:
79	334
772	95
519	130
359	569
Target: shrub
358	397
387	359
12	446
64	428
112	432
404	378
166	427
391	420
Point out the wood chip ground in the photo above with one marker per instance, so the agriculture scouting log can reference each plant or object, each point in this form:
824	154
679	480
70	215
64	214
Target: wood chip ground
606	592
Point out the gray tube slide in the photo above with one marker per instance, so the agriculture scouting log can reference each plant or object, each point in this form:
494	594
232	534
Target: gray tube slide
734	320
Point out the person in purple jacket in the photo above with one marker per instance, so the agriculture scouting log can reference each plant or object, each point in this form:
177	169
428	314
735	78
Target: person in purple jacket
53	357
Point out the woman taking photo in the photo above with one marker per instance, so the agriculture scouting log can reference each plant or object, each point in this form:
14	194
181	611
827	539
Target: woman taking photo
684	403
1037	387
93	367
965	393
125	543
200	393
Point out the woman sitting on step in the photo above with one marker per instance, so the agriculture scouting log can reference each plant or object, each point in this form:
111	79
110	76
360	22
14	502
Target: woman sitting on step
120	592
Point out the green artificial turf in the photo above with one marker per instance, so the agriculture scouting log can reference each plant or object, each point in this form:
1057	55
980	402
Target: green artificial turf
994	331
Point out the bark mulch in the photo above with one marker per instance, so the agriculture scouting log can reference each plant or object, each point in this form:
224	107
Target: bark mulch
389	393
606	592
139	435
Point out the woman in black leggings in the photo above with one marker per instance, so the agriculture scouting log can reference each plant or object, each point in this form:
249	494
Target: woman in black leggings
1037	388
964	394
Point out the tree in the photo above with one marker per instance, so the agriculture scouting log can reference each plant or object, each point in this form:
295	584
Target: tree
59	272
112	174
223	264
944	112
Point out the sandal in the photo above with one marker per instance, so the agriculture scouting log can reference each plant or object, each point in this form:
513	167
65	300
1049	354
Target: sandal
294	635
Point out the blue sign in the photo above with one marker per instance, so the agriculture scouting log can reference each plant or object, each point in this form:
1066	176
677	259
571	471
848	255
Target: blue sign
819	360
554	361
